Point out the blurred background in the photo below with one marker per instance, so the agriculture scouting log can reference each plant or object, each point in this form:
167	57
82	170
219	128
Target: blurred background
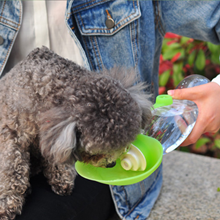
181	57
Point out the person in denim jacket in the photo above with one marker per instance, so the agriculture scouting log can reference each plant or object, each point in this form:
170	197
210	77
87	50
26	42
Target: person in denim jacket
129	34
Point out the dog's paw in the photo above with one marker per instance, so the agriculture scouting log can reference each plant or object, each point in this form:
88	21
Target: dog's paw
4	216
63	188
61	178
10	207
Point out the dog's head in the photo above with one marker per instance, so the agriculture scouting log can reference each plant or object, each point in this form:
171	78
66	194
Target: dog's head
109	110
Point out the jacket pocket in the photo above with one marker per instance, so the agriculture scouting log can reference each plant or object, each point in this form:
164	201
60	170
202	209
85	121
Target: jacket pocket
104	17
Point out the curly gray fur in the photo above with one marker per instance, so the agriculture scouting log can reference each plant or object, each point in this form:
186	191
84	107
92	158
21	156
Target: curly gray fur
56	111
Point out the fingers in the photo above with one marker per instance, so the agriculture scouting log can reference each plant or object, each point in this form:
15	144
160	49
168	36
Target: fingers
187	93
193	95
206	98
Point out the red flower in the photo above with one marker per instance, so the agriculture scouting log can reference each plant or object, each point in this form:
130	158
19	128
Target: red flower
161	58
217	69
171	35
162	89
170	84
207	62
186	68
164	66
176	57
190	41
171	42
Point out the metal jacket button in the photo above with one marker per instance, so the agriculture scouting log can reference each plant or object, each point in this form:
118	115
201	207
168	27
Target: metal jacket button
110	23
1	40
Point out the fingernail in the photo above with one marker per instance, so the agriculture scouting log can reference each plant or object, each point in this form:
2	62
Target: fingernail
170	92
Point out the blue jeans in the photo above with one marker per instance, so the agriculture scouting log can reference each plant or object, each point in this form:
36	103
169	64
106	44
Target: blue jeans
136	201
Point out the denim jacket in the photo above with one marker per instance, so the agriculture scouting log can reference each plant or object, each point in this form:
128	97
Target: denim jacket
125	33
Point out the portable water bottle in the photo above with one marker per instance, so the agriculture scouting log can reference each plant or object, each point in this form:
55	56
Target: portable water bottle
192	81
173	120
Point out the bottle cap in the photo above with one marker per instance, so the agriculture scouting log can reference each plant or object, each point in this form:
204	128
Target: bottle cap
163	100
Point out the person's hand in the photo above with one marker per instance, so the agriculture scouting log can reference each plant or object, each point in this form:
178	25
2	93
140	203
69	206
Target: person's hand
207	98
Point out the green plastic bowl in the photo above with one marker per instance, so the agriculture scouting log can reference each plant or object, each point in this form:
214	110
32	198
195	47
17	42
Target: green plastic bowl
150	147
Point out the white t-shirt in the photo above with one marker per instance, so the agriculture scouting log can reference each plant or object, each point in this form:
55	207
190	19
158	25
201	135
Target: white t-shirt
43	24
216	79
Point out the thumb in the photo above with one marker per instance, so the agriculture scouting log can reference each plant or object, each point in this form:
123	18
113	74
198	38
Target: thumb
187	93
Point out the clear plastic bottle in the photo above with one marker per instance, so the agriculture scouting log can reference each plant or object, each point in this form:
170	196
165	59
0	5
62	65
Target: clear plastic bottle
173	120
192	80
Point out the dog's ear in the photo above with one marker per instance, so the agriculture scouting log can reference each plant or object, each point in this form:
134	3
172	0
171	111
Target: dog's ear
138	93
57	135
137	89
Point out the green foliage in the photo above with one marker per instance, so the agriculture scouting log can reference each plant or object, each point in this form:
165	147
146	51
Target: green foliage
183	56
201	142
177	77
164	77
200	60
191	58
217	143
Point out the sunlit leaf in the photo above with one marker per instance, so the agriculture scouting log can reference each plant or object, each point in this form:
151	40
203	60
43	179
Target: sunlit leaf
201	142
217	143
200	60
215	58
173	46
169	54
184	40
164	77
213	48
177	73
191	58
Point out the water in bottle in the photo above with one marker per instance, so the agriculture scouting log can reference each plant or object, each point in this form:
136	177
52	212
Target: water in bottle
173	120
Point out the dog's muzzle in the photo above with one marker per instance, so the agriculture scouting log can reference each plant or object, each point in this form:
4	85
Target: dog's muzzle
110	165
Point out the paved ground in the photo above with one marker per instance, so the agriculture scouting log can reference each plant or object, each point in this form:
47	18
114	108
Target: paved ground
190	188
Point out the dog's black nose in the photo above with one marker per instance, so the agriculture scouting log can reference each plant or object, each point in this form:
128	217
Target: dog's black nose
110	165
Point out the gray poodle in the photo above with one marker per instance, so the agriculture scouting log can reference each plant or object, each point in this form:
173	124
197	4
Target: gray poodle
52	113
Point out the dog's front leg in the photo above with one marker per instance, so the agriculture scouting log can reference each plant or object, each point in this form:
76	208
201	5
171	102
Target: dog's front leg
14	176
61	177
